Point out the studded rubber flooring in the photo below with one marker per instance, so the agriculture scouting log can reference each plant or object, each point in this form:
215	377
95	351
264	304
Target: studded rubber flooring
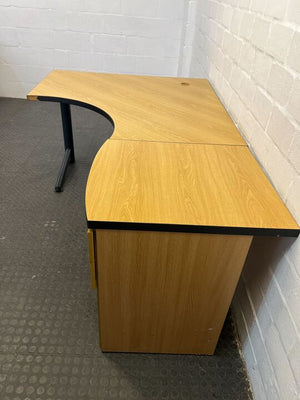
48	313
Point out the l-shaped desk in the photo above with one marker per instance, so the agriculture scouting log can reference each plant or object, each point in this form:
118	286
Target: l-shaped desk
173	200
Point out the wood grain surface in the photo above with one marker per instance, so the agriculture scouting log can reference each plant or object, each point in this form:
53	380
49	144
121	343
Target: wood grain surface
147	107
165	292
170	183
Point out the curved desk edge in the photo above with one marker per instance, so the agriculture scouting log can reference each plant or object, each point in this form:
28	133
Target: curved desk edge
74	103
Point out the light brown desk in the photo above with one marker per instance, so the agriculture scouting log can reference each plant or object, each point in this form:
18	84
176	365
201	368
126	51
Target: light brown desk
173	200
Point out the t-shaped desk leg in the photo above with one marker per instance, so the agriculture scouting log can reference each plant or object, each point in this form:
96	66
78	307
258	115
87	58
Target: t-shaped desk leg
69	145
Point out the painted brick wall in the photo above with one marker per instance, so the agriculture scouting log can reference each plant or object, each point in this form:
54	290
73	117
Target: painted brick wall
250	51
124	36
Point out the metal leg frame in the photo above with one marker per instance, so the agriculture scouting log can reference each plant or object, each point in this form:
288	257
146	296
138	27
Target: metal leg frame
69	145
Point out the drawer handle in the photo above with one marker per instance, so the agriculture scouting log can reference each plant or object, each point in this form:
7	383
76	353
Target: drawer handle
90	234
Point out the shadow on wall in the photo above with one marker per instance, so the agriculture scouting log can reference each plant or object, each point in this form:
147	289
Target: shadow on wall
266	260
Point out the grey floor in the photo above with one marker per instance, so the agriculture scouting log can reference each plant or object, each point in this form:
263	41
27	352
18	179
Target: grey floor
48	313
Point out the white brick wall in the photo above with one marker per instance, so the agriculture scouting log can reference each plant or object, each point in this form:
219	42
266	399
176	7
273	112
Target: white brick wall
253	63
124	36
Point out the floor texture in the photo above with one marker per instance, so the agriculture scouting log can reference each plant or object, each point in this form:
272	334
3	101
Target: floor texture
48	313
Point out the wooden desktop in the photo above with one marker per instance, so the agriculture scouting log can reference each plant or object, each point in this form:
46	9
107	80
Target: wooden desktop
173	200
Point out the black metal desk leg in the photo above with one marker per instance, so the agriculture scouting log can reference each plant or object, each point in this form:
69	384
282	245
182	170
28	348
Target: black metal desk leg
69	156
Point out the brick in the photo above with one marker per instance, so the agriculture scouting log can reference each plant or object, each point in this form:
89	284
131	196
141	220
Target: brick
247	24
244	3
294	357
262	68
247	90
293	296
281	315
105	7
248	353
294	250
45	58
236	78
37	38
211	34
257	386
227	67
232	46
143	8
292	202
9	16
216	56
84	22
212	9
293	59
264	363
219	35
280	170
110	44
156	66
153	47
245	306
145	27
31	73
294	101
276	9
60	20
220	12
282	369
281	130
236	21
286	328
84	62
279	84
279	41
124	64
260	33
19	56
74	5
177	7
227	16
260	142
263	314
215	76
7	74
34	18
258	5
235	106
61	58
247	57
241	323
294	156
225	92
13	89
25	3
74	41
9	37
191	12
294	11
261	108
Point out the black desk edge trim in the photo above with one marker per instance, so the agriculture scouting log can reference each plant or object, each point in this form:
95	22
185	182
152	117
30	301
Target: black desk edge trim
222	230
77	103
